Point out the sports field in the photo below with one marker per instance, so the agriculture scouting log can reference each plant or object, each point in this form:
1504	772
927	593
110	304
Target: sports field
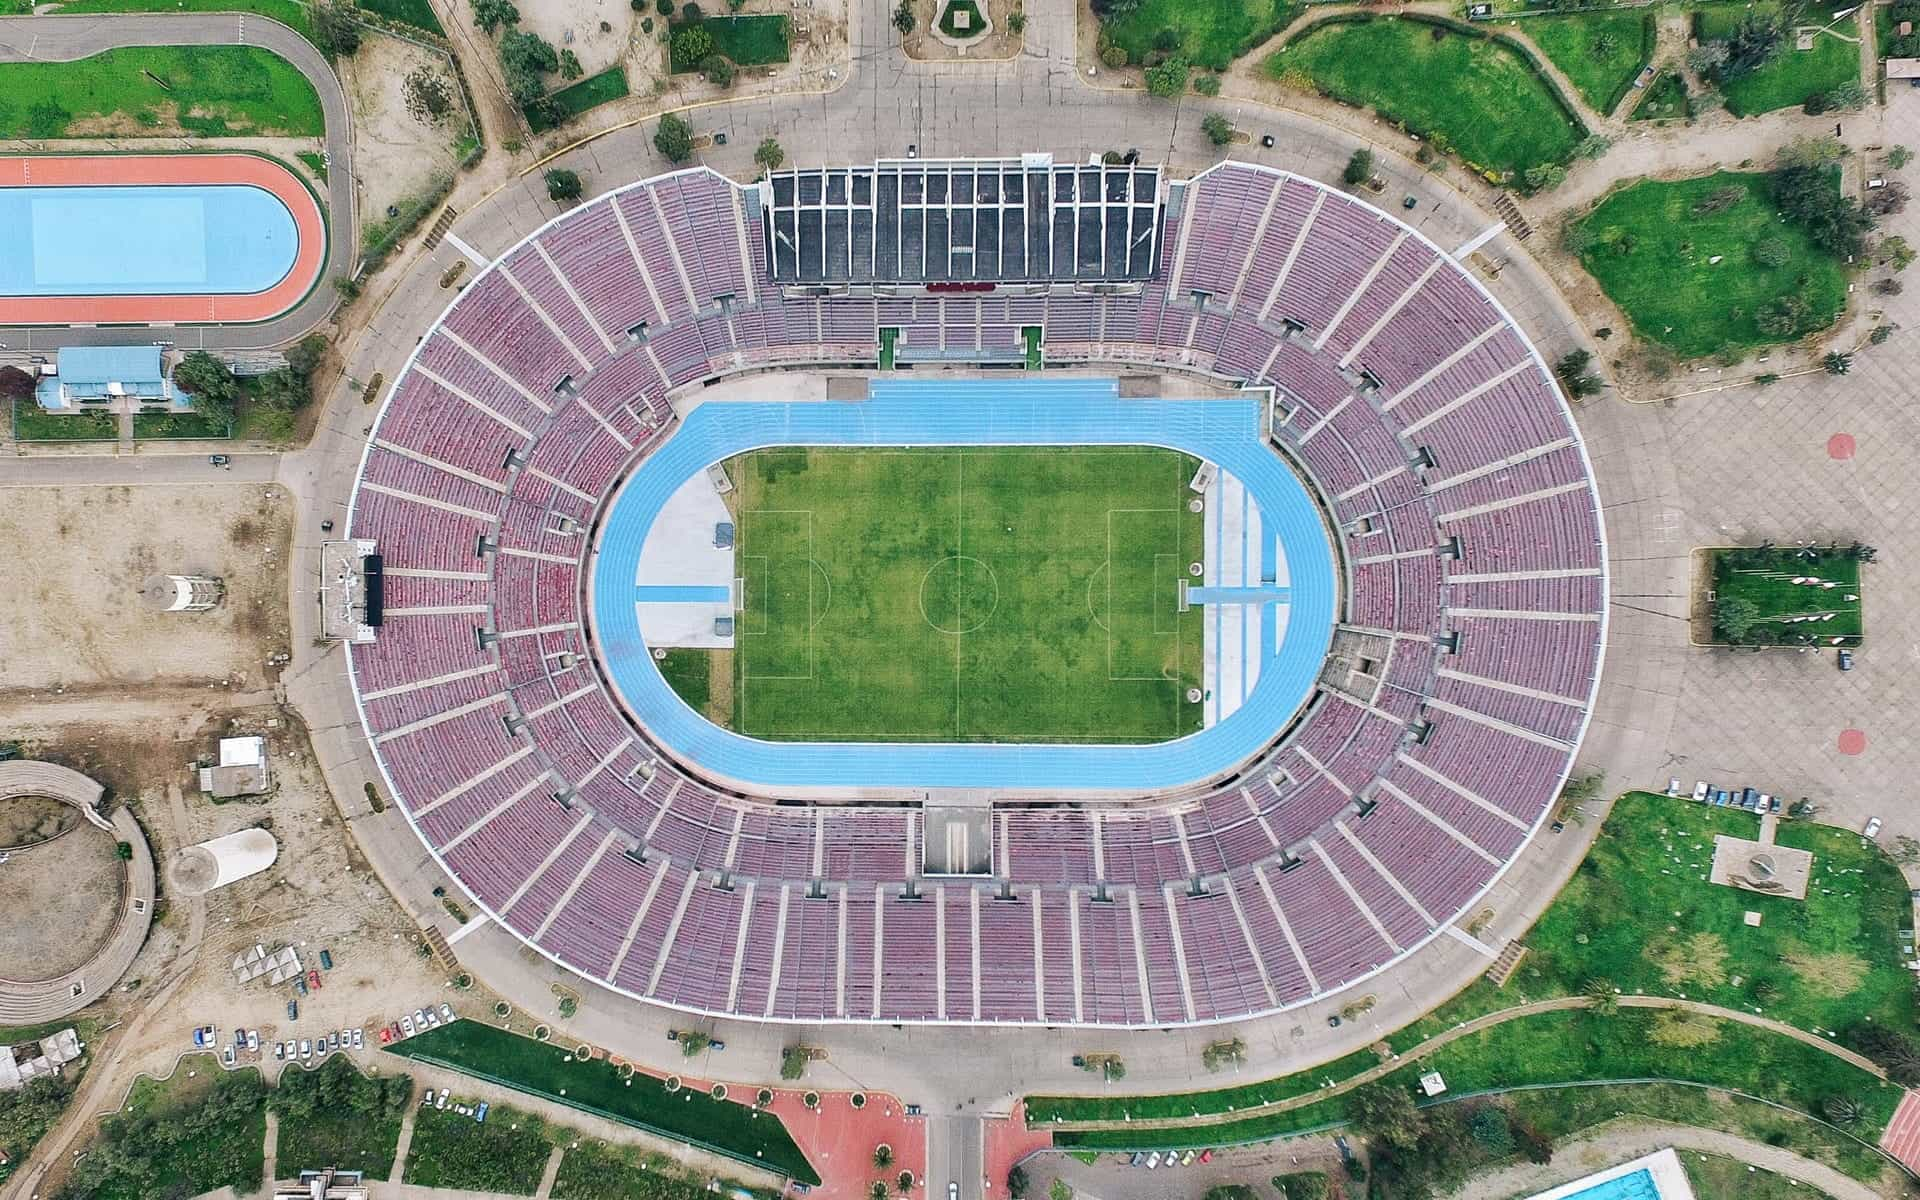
1002	594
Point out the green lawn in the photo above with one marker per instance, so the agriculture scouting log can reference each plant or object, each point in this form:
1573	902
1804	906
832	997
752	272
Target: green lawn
287	12
949	23
31	423
1766	578
1665	99
1600	52
1465	93
333	1116
690	674
1211	33
161	426
591	92
1791	75
201	1129
1000	594
506	1153
212	91
1717	1178
749	40
1564	1047
417	13
1653	253
1181	1104
315	162
734	1130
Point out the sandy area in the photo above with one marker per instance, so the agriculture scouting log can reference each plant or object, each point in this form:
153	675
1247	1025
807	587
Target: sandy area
575	25
27	820
65	896
395	152
75	620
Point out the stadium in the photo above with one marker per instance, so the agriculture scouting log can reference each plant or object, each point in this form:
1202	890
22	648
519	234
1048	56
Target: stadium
1279	731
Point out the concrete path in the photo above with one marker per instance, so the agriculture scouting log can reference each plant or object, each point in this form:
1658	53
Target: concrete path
56	38
546	1177
1467	1028
1623	1141
134	470
404	1145
271	1172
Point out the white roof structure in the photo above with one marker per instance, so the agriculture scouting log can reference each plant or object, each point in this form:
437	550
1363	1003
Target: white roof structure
55	1052
283	964
243	770
200	869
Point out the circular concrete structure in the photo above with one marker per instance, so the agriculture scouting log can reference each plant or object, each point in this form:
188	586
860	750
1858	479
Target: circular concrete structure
202	868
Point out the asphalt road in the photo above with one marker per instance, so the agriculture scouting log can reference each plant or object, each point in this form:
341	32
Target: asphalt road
65	38
134	470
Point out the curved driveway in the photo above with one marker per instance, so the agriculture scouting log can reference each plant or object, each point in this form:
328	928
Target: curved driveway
58	38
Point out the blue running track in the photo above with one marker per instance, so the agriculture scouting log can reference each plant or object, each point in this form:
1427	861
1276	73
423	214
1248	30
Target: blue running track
1022	412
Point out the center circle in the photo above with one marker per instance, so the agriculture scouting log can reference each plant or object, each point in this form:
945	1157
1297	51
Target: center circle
958	594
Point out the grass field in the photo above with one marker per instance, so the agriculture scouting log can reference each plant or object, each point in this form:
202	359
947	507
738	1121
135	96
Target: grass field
950	25
1494	110
417	13
749	40
213	91
1600	52
315	162
506	1154
1767	580
31	423
1666	99
1653	255
1211	33
1791	75
543	1070
287	12
591	92
1635	918
201	1129
597	1171
996	594
162	426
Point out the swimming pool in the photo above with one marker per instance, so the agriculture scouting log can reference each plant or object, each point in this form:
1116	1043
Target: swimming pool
143	240
1637	1185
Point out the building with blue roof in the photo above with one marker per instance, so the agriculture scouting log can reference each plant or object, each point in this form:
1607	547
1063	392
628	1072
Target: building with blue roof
109	379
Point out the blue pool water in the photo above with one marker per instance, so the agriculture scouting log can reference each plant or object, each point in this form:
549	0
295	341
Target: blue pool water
1637	1186
227	239
975	413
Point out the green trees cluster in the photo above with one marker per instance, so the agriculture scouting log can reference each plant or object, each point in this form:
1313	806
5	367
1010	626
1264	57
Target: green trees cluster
674	138
1417	1152
27	1114
335	30
524	58
1804	189
276	396
337	1088
213	1143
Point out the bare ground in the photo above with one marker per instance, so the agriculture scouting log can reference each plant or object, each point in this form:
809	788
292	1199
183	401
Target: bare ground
75	621
396	152
28	820
66	895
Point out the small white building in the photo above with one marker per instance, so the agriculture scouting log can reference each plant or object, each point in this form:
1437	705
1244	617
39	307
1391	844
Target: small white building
230	858
243	770
50	1055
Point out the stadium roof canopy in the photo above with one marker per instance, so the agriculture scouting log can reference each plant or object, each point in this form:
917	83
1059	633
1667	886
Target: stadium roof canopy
1004	220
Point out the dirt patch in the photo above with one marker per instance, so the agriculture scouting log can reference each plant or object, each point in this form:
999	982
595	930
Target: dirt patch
76	621
575	25
397	153
1835	974
1701	958
66	897
28	820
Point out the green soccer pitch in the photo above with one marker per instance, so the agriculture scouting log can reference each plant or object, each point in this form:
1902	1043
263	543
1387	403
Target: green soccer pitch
996	594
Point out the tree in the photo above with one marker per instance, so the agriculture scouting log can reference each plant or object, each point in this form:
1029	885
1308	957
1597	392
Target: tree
1059	1189
882	1157
673	139
1169	79
563	186
570	67
1841	1110
490	15
281	391
693	1041
1600	996
1217	129
1889	200
1016	25
1490	1127
1810	152
210	382
524	57
769	155
1207	85
1359	168
334	29
123	851
1893	252
1017	1182
691	44
1837	362
1114	57
663	7
1734	616
1543	177
1385	1111
793	1062
903	18
1593	146
691	14
1899	157
718	69
1806	196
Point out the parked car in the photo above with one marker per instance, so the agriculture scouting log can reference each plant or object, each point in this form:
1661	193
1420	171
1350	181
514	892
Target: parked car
386	1036
1845	658
426	1101
1873	828
420	1018
1266	140
1206	1156
293	1010
279	1051
1137	1159
226	1056
253	1040
218	460
333	1041
463	1110
1186	1160
306	1048
446	1012
480	1113
442	1101
326	959
406	1026
359	1040
1153	1160
313	978
300	985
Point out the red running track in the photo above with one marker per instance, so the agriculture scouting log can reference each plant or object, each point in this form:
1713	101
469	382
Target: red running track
1902	1138
163	169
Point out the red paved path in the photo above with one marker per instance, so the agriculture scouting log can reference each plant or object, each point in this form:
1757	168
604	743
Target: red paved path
1902	1138
1007	1141
154	169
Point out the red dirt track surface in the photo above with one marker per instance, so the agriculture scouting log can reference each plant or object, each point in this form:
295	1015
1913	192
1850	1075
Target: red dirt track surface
1902	1138
162	170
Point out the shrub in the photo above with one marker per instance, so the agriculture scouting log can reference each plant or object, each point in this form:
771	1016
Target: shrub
1543	177
490	15
1359	168
718	69
1888	287
1114	57
903	19
1207	85
1772	252
673	139
691	45
570	67
1017	1182
1837	362
1783	316
1217	129
1169	79
1491	1129
1875	336
563	186
334	29
1016	22
663	7
691	14
123	851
